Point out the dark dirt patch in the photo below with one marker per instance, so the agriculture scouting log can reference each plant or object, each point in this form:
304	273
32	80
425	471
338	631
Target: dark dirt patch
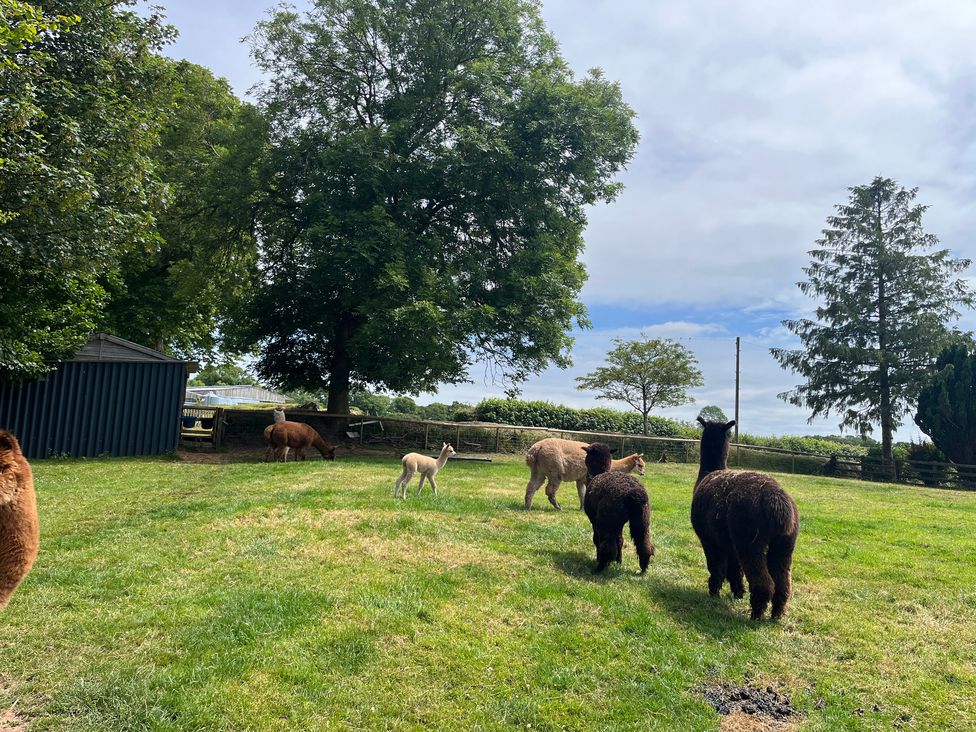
750	707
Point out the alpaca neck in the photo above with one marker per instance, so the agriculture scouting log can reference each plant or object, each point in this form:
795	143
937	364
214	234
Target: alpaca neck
279	416
319	444
442	459
713	457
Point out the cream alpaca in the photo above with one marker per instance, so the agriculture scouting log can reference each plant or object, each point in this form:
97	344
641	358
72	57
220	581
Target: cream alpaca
558	460
427	467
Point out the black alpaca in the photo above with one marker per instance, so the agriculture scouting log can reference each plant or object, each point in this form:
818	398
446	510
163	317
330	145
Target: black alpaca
612	499
745	521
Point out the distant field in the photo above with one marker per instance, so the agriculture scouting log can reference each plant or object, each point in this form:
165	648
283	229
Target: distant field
252	596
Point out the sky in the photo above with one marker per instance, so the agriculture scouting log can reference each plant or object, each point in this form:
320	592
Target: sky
755	118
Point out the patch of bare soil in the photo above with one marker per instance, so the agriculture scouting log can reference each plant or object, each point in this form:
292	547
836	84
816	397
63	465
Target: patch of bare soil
750	708
10	721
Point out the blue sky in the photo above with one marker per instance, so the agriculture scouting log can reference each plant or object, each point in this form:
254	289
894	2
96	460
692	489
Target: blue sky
755	117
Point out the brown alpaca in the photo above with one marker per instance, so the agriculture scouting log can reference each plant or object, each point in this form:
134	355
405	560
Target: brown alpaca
298	436
612	500
745	521
555	460
19	533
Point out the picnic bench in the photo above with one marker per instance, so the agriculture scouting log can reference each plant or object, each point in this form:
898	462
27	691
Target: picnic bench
201	426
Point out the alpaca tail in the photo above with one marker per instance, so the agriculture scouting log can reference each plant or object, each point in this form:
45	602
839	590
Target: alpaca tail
639	517
781	513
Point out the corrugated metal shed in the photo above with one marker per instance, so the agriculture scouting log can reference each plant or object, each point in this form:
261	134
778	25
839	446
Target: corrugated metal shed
114	397
241	394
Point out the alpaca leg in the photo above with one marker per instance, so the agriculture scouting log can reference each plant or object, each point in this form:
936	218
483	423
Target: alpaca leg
735	576
420	485
551	487
716	557
640	532
399	483
581	491
430	479
753	559
779	561
606	550
620	547
535	482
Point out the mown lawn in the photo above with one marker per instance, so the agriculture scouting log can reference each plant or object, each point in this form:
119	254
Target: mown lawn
253	596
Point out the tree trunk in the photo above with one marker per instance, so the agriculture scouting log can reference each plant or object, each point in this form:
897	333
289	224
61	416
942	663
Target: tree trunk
340	368
884	381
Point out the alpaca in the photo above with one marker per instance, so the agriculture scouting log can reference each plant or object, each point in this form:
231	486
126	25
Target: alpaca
278	414
613	499
427	467
19	532
297	435
745	522
555	460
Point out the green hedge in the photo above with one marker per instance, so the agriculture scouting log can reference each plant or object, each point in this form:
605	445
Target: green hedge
557	416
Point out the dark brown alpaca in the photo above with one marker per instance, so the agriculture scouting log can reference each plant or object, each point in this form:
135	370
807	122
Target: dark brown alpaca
297	436
612	499
19	534
745	521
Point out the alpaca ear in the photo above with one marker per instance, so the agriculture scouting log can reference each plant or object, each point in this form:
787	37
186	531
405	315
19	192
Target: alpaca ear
730	425
701	421
8	441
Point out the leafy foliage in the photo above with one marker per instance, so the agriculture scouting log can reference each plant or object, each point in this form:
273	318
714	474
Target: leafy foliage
223	374
557	416
947	405
426	184
645	374
80	83
712	413
178	294
888	299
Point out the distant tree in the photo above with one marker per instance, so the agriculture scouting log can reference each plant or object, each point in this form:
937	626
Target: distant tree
404	405
947	405
645	374
83	99
429	170
223	374
888	299
711	413
377	405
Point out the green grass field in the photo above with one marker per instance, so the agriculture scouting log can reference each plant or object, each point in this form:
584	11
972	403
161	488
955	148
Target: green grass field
180	596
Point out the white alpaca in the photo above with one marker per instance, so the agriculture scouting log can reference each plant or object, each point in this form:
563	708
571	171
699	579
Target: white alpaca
427	467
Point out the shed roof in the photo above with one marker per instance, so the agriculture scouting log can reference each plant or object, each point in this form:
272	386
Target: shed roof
105	347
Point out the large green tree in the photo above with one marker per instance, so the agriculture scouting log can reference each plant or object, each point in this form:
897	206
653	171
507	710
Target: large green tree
647	373
178	294
888	298
947	404
79	120
430	165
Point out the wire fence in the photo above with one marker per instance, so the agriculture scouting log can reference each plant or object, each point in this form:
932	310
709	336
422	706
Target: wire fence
244	427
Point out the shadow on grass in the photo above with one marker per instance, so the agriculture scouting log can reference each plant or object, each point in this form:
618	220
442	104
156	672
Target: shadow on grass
581	566
720	616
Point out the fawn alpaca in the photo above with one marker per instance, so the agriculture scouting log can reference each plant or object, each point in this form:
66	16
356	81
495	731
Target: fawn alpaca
19	533
745	521
554	460
427	467
279	416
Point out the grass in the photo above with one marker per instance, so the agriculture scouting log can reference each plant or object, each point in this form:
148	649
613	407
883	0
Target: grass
251	596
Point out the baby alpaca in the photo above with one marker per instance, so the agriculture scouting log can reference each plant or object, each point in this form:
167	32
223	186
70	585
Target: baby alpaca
745	522
427	467
19	532
613	499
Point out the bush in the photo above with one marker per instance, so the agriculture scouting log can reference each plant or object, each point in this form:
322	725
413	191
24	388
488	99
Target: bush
557	416
926	463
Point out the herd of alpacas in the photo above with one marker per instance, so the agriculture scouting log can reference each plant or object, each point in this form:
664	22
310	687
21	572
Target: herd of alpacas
745	521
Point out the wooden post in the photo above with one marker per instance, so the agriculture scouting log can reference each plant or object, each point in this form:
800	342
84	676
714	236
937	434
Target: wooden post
738	457
498	437
426	436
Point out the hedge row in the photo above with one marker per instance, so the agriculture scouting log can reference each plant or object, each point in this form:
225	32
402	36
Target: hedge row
601	419
596	419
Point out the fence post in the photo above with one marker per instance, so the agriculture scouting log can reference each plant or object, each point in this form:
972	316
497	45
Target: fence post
687	458
426	437
498	438
457	441
793	469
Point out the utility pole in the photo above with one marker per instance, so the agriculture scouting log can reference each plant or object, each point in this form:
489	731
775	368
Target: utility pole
737	341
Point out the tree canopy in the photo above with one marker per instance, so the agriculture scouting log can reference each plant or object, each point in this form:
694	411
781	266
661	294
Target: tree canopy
645	374
429	166
888	297
80	81
947	404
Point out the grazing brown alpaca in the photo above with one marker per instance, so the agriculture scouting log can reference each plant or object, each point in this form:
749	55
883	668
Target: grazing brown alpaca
19	533
745	521
297	436
554	460
612	500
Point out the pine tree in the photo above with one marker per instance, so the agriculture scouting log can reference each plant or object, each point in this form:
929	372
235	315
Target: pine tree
947	405
887	299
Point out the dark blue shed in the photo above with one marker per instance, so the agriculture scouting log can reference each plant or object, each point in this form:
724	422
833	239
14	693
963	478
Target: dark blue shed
114	397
